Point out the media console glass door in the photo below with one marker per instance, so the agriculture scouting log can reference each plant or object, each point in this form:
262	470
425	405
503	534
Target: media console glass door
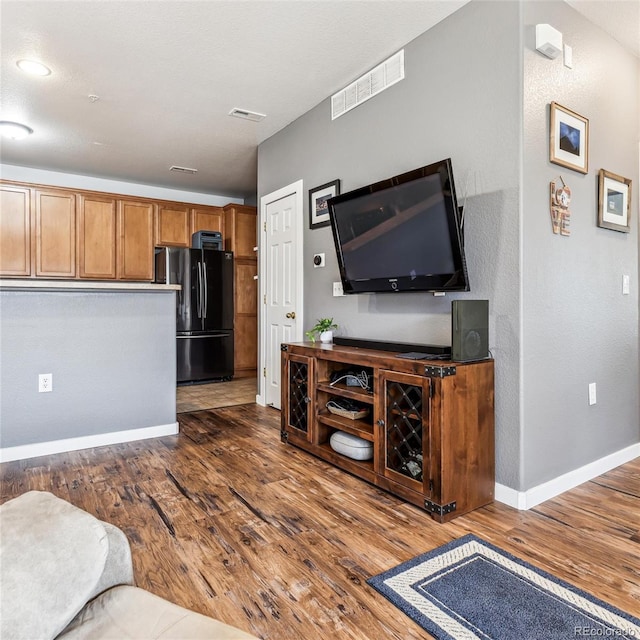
406	430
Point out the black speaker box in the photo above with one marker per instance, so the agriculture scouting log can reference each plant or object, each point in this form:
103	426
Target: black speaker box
469	330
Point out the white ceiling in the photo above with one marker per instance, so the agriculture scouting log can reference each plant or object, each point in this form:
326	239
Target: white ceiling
167	73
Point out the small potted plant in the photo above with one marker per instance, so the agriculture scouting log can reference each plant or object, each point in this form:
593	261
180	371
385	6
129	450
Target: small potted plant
324	328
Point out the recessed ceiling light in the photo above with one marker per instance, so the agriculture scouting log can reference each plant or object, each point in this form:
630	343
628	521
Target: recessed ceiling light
33	67
14	130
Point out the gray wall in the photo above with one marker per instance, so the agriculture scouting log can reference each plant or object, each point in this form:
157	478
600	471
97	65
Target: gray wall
578	327
112	356
558	321
447	106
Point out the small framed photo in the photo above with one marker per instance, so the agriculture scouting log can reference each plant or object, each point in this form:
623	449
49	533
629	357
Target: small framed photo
568	138
614	201
318	210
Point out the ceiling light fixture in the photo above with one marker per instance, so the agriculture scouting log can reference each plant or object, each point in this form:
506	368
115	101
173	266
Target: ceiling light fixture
33	67
14	130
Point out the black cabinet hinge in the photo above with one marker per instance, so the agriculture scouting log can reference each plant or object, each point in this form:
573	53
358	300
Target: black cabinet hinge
284	347
284	436
439	509
433	371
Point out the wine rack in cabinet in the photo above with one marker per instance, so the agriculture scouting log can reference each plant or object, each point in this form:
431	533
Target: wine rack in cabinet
430	423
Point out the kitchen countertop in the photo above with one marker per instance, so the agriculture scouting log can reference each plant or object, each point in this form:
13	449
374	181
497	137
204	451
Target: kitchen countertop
32	284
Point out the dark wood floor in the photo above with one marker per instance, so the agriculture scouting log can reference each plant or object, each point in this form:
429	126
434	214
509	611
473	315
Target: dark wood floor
228	521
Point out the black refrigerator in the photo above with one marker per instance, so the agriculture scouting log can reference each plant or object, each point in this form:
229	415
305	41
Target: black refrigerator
204	310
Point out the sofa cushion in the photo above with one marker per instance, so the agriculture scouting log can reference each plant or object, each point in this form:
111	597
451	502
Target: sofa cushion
118	567
129	613
51	558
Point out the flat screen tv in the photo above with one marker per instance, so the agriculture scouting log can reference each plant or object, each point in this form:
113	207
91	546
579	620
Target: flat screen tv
401	234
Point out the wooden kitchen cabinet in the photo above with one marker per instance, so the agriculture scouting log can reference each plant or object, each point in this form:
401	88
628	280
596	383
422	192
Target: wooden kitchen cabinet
240	236
15	231
55	233
58	232
173	225
97	233
207	219
135	245
430	423
246	318
115	238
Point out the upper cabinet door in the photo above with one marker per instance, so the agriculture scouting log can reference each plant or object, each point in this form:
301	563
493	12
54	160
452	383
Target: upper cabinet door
135	240
172	225
207	219
240	230
97	222
15	236
55	233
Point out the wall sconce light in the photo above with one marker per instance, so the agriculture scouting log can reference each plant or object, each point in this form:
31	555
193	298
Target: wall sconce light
548	40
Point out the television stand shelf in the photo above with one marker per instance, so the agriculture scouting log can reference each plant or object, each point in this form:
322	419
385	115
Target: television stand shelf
431	422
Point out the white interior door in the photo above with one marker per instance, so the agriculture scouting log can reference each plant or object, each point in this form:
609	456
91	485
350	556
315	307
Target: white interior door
282	269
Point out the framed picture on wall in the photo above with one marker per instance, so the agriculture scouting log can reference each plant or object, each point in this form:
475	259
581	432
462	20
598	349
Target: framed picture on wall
614	201
568	138
318	210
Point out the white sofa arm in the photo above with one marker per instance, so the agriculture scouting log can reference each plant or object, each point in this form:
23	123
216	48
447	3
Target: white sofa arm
52	557
118	567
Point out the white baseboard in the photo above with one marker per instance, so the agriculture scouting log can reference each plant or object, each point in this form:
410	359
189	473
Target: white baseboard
527	499
85	442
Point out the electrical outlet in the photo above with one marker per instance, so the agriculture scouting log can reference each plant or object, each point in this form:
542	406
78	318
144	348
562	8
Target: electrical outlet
45	382
592	393
337	289
318	260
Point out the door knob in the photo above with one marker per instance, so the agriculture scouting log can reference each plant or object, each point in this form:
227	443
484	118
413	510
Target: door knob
291	314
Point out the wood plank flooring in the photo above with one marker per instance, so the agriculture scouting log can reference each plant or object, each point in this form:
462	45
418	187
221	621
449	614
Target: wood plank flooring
228	521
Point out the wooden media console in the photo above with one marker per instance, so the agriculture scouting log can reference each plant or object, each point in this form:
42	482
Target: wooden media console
431	422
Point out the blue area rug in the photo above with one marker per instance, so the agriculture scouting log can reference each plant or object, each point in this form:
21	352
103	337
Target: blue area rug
471	589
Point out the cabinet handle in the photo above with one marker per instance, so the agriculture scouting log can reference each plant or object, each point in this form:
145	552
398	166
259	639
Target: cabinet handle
380	422
291	314
307	399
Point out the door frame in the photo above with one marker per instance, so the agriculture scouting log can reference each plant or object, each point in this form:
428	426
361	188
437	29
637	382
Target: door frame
296	189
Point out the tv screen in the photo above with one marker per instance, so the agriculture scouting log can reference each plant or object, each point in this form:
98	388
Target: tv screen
401	234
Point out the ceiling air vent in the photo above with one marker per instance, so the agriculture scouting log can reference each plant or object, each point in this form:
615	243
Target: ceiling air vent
182	169
247	115
387	73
